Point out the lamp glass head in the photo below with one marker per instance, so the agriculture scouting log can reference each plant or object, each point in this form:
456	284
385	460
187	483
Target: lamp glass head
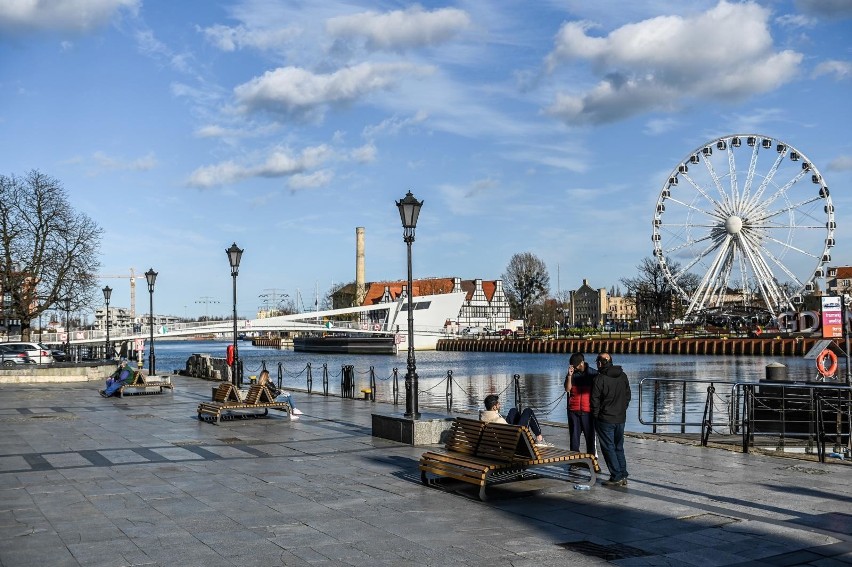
409	210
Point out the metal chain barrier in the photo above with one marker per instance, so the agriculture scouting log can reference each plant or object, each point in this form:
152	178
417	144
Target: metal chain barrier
516	380
549	408
427	390
260	367
347	381
349	373
395	386
372	384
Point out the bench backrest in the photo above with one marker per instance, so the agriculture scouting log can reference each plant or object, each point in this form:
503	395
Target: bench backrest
465	435
226	392
138	378
496	441
527	445
502	442
258	394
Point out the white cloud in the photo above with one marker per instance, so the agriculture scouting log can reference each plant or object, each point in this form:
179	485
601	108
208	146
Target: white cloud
152	47
240	37
401	29
659	126
310	180
796	21
298	92
480	197
365	154
213	131
281	162
725	53
842	163
77	16
840	69
756	120
104	162
394	124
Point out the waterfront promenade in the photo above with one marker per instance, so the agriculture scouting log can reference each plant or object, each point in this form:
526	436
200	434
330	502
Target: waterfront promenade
140	481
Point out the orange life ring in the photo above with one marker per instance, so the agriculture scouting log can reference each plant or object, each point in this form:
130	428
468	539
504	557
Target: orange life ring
820	363
230	355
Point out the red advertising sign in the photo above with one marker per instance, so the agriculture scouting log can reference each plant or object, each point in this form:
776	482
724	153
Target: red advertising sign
832	318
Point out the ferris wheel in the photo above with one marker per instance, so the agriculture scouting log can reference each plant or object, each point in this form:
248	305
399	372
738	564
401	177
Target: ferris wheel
743	224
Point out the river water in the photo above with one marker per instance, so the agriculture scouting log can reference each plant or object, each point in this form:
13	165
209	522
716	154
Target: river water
477	374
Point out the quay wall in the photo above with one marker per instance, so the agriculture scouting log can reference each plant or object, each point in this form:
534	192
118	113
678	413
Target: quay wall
60	372
779	346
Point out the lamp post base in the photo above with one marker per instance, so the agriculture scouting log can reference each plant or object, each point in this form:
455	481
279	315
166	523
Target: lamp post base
427	429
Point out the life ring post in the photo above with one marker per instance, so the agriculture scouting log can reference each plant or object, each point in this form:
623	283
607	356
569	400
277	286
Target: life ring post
826	372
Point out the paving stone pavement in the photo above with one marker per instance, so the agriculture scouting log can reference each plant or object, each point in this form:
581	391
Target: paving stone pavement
140	481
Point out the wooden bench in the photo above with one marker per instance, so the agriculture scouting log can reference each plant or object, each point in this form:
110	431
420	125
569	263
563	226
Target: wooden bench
482	453
226	403
141	385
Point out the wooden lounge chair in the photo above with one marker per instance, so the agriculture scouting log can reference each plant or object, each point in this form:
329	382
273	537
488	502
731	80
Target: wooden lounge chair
226	403
139	384
486	453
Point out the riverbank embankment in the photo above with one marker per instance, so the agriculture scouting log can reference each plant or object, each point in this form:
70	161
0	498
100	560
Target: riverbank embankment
778	346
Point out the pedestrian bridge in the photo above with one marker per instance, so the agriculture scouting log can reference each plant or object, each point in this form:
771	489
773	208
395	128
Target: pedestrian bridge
431	312
320	321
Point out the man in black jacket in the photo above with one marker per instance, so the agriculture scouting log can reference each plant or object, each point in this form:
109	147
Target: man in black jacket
610	398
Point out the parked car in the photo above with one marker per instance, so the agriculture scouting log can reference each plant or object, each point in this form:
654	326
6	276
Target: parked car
10	355
505	332
473	331
37	351
58	354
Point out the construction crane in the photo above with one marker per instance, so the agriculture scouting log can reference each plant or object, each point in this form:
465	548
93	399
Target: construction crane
132	278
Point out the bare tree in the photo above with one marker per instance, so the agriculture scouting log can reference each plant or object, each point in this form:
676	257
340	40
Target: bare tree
339	295
657	301
526	281
49	251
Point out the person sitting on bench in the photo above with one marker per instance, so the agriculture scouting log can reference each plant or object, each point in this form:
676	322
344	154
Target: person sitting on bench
491	414
117	379
279	395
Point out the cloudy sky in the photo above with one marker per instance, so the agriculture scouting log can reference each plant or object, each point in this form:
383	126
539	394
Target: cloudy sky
546	127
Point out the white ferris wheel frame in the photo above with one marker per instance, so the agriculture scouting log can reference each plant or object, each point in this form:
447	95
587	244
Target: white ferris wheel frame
729	225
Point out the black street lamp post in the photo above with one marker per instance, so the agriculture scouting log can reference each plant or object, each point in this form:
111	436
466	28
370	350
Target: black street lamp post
151	277
67	305
107	293
409	210
234	255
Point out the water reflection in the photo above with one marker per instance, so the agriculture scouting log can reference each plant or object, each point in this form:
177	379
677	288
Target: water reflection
476	374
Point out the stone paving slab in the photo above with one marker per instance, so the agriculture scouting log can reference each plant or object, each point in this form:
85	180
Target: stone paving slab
140	481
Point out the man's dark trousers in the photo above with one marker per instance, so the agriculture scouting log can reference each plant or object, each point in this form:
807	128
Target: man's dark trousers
581	422
611	439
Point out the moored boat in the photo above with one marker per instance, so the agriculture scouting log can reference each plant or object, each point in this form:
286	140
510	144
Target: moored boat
345	344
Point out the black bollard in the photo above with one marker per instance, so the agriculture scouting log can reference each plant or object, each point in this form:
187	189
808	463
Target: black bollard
776	372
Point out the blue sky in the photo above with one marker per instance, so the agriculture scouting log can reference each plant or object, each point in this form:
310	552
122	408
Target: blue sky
546	127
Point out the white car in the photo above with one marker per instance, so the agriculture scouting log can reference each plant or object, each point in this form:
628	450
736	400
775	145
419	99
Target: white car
473	331
36	351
